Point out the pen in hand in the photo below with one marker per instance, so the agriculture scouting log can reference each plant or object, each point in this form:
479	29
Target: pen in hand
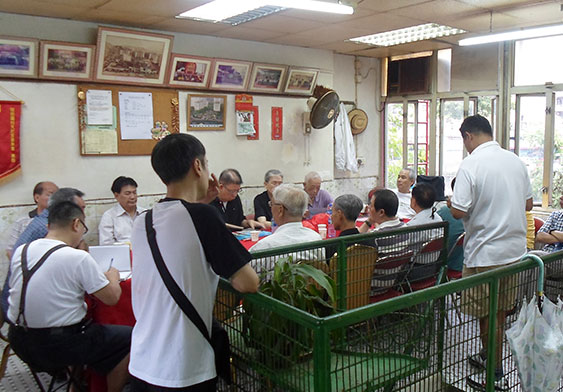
110	263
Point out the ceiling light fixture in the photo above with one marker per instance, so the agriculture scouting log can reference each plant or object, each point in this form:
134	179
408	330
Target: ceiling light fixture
513	35
408	34
221	10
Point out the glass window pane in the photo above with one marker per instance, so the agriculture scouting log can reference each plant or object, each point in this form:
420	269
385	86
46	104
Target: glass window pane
453	142
394	126
532	131
557	184
512	131
528	70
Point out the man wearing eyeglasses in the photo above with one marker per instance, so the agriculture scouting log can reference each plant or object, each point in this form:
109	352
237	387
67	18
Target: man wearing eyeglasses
228	201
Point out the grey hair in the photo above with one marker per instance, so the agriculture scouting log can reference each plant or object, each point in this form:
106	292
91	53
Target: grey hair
350	205
412	173
230	176
294	199
64	194
272	172
312	176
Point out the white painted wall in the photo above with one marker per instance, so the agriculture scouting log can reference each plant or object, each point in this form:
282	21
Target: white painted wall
49	132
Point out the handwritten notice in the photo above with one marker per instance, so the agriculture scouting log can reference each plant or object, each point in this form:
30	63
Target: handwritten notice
98	107
135	115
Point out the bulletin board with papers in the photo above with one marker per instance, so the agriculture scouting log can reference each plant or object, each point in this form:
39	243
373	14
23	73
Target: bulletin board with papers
124	120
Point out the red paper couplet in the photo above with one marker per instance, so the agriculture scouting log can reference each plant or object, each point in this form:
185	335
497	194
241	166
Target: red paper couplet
277	123
10	112
256	122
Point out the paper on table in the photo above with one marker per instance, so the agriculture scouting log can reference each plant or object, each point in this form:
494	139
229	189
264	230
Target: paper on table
99	107
135	115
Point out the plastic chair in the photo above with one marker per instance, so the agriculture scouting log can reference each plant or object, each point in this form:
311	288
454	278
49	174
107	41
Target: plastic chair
538	223
360	261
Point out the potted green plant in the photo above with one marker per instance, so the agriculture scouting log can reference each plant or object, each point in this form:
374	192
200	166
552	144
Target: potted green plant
280	341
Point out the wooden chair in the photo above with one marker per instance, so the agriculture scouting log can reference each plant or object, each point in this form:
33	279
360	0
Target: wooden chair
360	261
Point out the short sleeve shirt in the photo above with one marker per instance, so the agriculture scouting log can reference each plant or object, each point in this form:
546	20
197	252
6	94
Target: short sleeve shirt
116	225
55	292
167	349
492	186
321	202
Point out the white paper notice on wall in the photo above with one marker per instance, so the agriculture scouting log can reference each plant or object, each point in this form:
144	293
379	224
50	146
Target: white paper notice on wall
98	107
135	115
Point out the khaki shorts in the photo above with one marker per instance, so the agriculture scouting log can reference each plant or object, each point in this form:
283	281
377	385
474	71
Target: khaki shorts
475	301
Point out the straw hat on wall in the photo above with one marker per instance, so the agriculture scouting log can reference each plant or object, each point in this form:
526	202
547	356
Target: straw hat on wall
358	121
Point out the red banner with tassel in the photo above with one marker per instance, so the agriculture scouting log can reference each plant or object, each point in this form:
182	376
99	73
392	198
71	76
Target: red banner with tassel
10	112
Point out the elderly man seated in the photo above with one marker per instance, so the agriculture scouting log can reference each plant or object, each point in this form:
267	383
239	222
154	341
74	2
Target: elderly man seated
117	222
405	181
48	328
288	204
319	199
345	211
422	202
551	232
228	202
262	211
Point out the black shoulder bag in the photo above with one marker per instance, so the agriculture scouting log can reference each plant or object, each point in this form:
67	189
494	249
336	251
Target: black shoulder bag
219	339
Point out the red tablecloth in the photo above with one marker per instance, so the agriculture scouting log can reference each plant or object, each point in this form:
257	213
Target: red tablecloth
119	314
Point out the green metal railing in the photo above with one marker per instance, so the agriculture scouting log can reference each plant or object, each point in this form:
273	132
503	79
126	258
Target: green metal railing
403	343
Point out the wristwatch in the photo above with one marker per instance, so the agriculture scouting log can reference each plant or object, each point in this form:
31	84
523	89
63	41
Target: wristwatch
368	223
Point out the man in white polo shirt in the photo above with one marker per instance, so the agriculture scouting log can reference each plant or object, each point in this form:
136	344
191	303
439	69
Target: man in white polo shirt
495	227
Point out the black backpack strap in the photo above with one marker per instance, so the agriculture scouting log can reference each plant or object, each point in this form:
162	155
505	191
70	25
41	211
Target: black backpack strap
175	290
28	273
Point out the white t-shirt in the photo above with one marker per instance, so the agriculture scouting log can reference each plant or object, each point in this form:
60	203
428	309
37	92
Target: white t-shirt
55	292
291	233
492	186
167	349
116	225
405	211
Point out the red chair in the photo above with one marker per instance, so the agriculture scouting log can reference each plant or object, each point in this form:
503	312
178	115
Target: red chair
538	223
428	257
389	274
450	273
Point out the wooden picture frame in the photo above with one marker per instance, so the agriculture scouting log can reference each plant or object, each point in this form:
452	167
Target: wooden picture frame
301	81
18	57
132	57
189	71
206	112
230	75
63	60
267	77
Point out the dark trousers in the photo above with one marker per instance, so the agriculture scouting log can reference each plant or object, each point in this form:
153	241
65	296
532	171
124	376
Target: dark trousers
137	385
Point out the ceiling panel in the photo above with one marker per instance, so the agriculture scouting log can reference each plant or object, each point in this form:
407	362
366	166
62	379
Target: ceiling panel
283	24
32	7
188	26
545	13
132	19
322	17
480	23
344	46
246	33
386	5
437	11
151	7
381	23
297	40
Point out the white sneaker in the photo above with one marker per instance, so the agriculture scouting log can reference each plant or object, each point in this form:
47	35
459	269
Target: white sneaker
479	381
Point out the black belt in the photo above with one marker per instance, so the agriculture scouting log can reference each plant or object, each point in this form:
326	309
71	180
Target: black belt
55	331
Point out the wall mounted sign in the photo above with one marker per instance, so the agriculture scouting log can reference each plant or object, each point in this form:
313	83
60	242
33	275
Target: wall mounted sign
277	123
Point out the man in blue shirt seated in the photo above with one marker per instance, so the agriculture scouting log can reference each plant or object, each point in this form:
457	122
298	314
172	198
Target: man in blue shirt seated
455	229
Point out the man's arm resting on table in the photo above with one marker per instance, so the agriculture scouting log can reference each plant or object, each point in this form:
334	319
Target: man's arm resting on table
262	220
110	294
252	224
552	237
245	280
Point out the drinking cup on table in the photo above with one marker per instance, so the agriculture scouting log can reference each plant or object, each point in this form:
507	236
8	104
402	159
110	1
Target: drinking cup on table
254	235
322	230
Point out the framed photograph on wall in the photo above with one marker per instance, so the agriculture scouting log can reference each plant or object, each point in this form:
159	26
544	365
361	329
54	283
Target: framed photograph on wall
230	75
189	71
267	77
18	57
63	60
128	56
206	112
301	81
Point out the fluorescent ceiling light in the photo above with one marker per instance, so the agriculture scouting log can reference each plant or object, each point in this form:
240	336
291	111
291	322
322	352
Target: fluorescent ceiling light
219	10
512	35
409	34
